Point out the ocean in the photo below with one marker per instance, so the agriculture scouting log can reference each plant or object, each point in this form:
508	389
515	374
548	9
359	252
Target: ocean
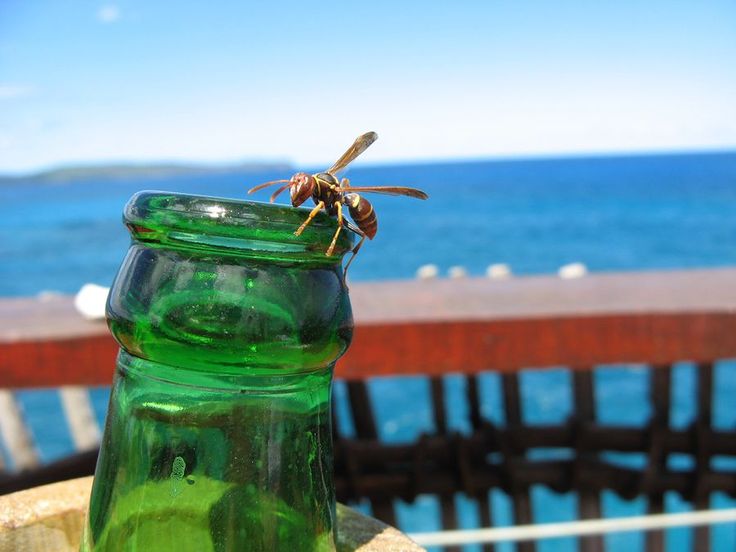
611	213
614	213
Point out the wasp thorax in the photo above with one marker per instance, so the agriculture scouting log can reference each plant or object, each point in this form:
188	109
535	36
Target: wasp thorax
302	187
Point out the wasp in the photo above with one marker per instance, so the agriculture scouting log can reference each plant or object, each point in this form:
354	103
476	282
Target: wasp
333	196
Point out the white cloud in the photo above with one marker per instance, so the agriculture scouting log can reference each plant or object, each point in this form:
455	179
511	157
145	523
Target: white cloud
11	91
108	14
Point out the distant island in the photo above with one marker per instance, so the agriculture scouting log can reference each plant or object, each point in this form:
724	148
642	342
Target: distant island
132	171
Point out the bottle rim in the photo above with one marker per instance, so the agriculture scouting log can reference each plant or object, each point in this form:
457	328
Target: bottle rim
232	227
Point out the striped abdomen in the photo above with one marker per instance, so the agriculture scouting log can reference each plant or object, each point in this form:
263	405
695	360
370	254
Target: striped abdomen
361	211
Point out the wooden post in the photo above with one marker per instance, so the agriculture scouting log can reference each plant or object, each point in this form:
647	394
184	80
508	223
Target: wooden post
15	434
80	416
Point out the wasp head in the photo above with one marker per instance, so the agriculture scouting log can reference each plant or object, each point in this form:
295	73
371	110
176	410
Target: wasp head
301	187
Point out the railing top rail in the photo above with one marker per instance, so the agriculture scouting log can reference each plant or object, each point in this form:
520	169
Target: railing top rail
706	290
441	326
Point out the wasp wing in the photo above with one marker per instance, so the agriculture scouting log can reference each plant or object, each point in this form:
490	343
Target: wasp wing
390	190
359	146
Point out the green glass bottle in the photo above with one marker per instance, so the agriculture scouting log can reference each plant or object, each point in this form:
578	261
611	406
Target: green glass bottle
218	433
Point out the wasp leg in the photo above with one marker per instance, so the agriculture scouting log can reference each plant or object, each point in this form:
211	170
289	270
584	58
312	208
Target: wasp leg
330	249
344	184
354	251
311	215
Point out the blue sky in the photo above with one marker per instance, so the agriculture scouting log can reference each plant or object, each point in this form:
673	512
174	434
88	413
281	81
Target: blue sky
94	82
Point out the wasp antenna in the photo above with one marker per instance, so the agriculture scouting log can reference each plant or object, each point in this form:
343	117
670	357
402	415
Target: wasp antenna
265	185
277	192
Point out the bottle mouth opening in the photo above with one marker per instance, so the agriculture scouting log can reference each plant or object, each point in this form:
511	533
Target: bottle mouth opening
235	227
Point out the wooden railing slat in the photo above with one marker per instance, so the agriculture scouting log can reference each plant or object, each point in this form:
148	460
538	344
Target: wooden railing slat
448	514
486	518
585	413
80	417
520	498
472	393
16	436
362	410
660	393
703	424
473	398
437	387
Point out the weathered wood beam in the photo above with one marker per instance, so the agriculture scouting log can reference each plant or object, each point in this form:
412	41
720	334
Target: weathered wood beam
442	326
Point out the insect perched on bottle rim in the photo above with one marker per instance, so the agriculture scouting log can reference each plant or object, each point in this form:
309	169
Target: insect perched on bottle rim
331	195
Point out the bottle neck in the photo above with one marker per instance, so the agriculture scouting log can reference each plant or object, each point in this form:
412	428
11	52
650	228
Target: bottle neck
228	315
253	383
